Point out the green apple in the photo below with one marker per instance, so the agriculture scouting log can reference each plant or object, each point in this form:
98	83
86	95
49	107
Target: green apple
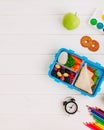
71	21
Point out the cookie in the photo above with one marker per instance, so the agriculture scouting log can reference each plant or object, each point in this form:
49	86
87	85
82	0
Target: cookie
94	46
86	41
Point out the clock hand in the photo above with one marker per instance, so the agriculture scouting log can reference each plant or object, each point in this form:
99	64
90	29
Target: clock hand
72	106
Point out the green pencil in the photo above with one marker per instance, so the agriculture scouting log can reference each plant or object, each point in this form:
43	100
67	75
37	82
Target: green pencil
98	119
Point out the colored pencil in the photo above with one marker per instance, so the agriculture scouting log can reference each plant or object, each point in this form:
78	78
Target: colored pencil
96	109
97	113
100	122
100	126
100	111
90	125
98	118
93	126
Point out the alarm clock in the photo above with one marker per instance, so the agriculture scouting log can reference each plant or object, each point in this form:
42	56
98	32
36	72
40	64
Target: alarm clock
70	105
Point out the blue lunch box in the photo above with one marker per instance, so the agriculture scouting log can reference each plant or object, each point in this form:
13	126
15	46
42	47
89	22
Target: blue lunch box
77	72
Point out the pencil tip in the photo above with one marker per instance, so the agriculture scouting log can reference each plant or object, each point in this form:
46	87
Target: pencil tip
85	123
87	105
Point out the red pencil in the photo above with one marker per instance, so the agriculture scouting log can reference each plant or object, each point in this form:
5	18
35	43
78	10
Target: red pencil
88	125
100	111
93	126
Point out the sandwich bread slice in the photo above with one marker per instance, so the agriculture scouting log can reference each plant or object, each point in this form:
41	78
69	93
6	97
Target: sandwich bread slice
85	81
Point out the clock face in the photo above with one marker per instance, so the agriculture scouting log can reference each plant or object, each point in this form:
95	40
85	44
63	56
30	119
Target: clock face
71	107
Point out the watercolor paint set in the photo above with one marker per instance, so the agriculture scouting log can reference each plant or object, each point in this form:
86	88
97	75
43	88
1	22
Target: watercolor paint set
97	20
77	72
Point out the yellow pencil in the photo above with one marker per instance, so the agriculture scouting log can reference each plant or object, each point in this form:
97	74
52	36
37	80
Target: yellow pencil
99	125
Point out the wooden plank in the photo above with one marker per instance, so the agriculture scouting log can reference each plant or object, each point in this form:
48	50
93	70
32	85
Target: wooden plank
42	122
34	84
43	104
31	64
52	7
44	24
44	44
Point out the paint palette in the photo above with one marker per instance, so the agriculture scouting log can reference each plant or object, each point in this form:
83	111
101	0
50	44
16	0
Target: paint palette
97	20
77	72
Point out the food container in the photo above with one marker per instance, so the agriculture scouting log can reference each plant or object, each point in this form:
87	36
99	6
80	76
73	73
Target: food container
77	72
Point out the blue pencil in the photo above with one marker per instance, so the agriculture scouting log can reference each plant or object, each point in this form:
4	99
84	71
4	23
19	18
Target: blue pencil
93	110
98	118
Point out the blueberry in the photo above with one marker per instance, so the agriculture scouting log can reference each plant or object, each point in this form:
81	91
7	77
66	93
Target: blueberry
67	71
67	79
62	71
54	73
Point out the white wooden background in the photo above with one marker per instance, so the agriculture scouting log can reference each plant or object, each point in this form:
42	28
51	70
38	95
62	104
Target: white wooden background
30	34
